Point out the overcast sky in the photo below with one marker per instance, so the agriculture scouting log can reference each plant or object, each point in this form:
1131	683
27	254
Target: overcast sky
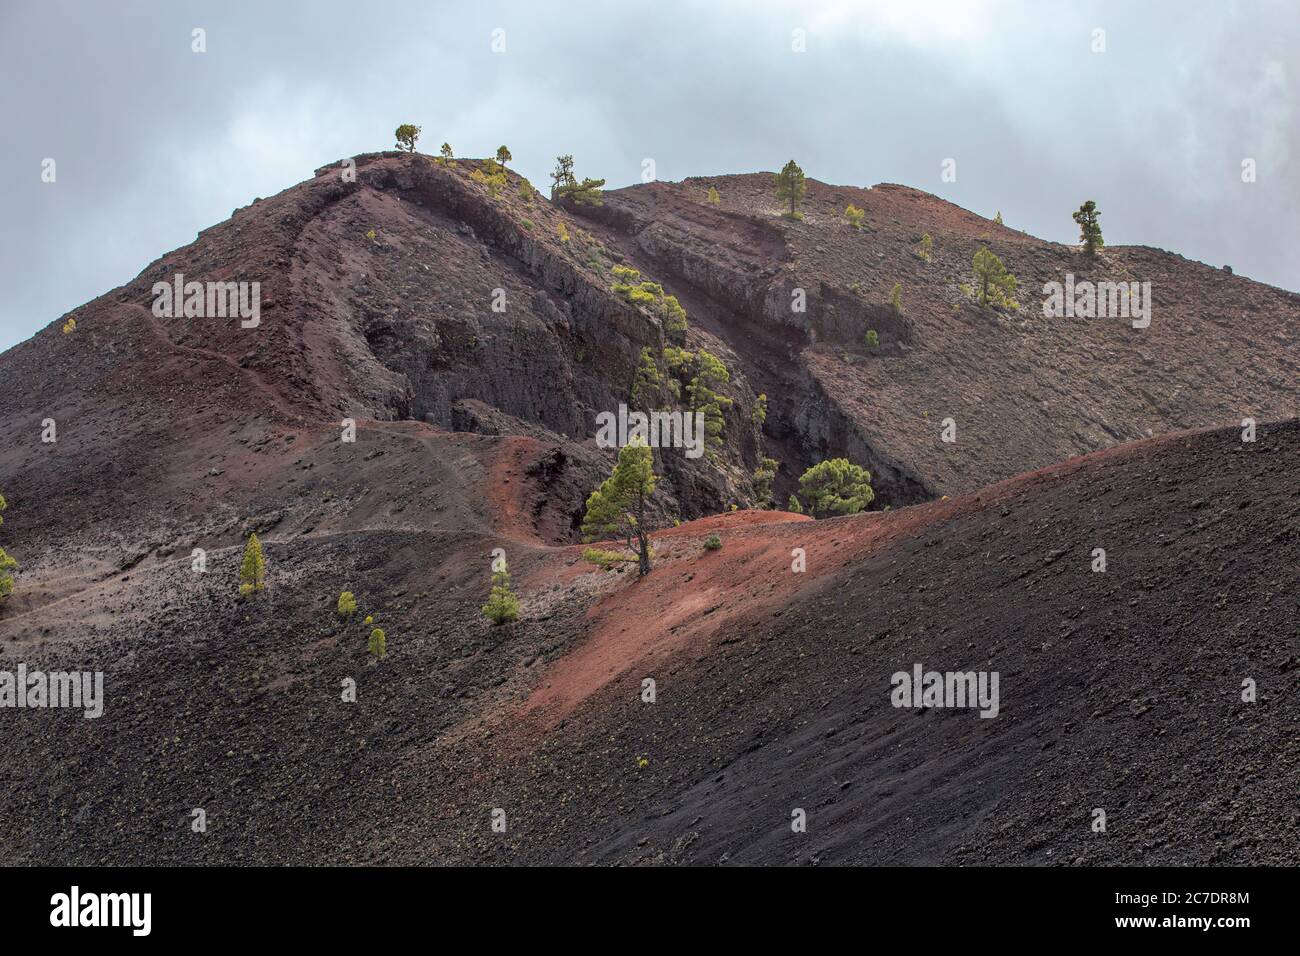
153	142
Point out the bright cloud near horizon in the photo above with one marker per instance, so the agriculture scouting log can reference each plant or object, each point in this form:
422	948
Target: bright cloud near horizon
154	142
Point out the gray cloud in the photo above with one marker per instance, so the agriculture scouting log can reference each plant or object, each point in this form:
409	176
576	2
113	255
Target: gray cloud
154	142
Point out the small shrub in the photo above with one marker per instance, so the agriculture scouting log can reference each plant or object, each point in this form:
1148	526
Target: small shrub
896	297
853	216
347	604
713	543
872	338
378	643
793	506
714	198
527	224
925	247
71	325
605	560
562	231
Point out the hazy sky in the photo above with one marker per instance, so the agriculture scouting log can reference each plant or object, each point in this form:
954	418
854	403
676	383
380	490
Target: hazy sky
154	142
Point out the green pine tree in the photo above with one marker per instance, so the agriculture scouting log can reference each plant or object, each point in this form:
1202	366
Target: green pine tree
1089	228
790	188
836	487
762	481
406	135
502	605
994	285
7	564
378	643
252	569
618	506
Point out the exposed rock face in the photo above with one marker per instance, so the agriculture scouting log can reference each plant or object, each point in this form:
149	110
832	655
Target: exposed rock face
1022	390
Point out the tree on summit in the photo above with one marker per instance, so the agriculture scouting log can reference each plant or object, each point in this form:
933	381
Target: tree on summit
618	506
790	188
1089	228
503	155
406	135
564	185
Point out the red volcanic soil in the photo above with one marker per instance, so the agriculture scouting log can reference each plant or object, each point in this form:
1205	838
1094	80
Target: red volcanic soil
1120	690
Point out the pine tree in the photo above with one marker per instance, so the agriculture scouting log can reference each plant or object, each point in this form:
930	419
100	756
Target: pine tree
406	135
252	569
502	605
673	317
714	198
444	155
926	247
503	155
1089	228
854	215
762	481
648	383
998	218
793	506
7	564
994	285
562	175
618	506
378	645
836	487
896	297
702	395
790	188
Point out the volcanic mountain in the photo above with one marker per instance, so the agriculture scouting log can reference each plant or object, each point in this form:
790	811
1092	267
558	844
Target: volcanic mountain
467	335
